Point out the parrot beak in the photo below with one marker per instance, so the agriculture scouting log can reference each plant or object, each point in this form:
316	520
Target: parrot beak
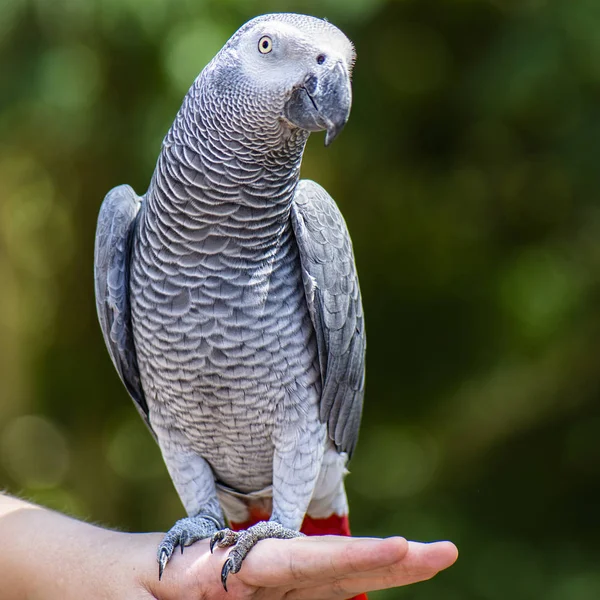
322	102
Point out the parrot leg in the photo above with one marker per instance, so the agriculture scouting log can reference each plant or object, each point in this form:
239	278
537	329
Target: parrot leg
195	484
295	472
184	533
244	541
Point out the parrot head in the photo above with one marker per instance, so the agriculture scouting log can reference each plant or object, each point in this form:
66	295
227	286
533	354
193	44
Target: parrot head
285	69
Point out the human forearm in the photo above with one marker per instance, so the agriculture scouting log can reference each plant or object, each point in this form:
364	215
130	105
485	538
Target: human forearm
45	555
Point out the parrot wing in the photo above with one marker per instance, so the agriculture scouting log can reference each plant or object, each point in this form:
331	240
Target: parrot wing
112	257
334	302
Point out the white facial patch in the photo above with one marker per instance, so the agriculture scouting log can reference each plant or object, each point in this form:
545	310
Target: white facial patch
295	49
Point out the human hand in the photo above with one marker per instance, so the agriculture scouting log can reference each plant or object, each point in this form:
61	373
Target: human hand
52	556
310	568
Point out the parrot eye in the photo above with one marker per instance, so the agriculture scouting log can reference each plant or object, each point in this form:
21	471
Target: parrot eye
265	44
321	59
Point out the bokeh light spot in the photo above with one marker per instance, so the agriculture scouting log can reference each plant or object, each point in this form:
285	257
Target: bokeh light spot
132	453
539	290
188	49
579	586
34	452
8	16
70	77
406	461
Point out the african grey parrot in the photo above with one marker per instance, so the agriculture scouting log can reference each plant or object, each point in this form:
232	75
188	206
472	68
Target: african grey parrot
228	296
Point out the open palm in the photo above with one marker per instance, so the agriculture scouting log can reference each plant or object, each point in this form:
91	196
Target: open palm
311	568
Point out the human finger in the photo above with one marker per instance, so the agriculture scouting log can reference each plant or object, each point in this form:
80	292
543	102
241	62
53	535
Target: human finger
307	561
421	562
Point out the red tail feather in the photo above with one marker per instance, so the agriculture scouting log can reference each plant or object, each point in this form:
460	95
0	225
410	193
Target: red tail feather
333	525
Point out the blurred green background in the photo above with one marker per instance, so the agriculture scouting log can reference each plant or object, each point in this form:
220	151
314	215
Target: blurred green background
468	177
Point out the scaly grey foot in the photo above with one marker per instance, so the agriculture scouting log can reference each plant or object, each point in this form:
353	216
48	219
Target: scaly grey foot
244	541
184	533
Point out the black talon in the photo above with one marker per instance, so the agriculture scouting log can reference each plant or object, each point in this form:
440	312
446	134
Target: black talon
213	540
162	562
225	572
183	539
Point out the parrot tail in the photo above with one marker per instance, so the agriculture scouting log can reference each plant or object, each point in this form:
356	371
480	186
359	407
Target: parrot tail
333	525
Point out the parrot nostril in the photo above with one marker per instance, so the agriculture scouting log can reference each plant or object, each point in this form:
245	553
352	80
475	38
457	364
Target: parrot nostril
311	84
321	59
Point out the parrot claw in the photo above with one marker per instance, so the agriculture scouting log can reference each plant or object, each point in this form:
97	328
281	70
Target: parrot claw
223	539
228	567
183	539
244	541
184	533
162	562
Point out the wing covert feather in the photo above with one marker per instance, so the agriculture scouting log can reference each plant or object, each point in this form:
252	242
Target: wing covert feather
112	255
334	302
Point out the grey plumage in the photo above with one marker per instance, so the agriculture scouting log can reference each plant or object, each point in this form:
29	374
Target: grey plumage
230	302
112	254
333	298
